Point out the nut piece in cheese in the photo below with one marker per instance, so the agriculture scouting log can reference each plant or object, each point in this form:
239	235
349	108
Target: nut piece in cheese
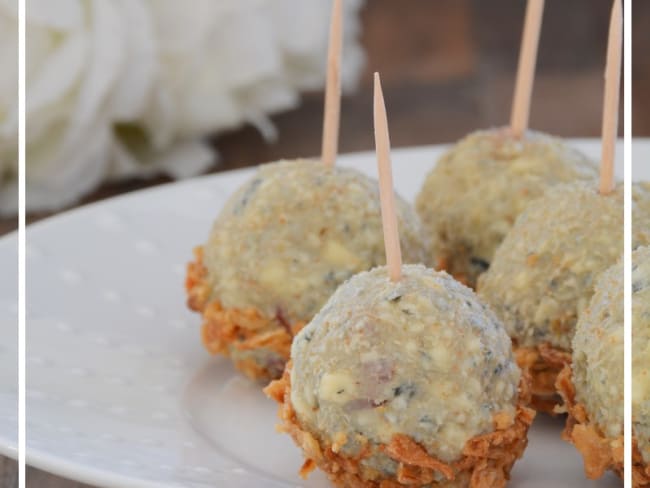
337	254
337	387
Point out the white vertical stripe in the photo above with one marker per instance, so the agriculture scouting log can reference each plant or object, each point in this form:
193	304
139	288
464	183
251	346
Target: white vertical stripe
21	243
627	134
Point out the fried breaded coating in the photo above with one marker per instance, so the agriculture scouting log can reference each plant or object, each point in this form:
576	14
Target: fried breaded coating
599	452
258	346
544	363
485	463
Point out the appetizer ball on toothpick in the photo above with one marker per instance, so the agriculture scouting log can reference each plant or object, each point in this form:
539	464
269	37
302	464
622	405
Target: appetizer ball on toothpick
543	274
592	386
404	378
279	249
474	194
477	189
282	245
641	366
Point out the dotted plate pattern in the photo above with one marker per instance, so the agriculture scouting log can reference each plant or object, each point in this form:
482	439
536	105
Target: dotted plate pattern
120	391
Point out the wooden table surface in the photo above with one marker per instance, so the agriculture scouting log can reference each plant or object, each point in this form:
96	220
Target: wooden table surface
447	68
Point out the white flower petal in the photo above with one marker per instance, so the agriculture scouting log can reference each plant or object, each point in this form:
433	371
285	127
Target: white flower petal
10	9
267	96
123	163
263	124
106	55
243	45
55	14
133	88
172	23
8	77
65	176
308	36
51	82
185	159
120	88
159	121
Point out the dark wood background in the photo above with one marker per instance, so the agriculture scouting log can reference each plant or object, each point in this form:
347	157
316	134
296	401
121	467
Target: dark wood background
447	68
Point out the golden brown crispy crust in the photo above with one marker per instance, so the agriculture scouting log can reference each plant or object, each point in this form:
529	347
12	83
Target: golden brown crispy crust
544	363
486	462
446	263
599	452
196	282
233	331
640	469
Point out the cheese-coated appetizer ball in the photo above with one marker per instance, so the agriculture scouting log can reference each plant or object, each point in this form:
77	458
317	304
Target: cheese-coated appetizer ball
640	214
641	365
410	383
280	247
543	275
593	385
473	195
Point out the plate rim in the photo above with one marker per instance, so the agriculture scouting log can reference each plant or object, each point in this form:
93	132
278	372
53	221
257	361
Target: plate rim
233	172
85	474
8	448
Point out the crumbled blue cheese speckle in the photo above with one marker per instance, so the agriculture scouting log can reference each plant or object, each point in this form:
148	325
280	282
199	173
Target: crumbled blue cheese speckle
422	357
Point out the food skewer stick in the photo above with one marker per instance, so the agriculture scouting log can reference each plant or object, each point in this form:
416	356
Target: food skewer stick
331	117
526	70
386	192
611	99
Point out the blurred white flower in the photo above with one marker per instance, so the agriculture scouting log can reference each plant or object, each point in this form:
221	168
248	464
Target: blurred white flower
8	104
117	88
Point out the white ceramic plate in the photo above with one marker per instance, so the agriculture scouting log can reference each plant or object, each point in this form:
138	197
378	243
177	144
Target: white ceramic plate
120	391
9	345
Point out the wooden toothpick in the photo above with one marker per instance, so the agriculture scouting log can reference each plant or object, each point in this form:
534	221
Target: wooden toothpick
526	70
611	98
331	117
387	195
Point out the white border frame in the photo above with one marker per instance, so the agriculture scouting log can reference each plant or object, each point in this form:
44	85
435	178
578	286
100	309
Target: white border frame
21	244
627	125
627	252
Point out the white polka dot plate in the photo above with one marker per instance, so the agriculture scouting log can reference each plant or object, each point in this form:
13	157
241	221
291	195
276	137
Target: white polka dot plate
120	391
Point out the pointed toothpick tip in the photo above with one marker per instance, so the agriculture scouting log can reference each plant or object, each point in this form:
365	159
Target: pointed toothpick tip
378	93
386	192
332	111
